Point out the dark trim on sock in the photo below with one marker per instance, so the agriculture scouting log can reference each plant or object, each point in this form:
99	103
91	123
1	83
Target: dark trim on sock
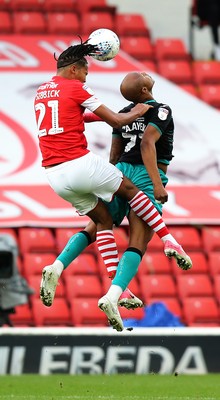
135	251
87	236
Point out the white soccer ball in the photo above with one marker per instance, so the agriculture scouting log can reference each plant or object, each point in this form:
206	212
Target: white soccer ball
108	44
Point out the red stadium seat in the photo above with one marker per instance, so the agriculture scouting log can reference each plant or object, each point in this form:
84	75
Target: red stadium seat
26	5
199	261
131	25
139	47
34	240
106	283
20	266
90	21
121	239
56	315
172	303
187	236
83	286
5	5
84	264
137	313
171	49
63	23
214	262
33	263
190	88
196	285
64	234
210	94
85	312
201	311
9	231
211	238
86	6
206	72
176	71
160	285
216	283
34	283
154	263
23	316
150	66
59	5
29	22
155	244
6	25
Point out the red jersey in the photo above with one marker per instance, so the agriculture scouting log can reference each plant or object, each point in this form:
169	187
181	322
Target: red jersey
59	107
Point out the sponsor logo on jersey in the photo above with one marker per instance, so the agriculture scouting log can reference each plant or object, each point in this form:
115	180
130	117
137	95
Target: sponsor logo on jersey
49	85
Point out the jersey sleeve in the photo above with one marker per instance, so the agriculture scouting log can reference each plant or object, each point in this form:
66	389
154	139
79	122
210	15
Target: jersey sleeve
161	117
86	98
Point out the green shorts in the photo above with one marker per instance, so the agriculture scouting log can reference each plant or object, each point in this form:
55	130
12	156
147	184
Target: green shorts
118	207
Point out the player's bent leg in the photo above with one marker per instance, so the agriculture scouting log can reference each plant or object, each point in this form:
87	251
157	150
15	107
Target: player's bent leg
51	273
140	241
104	236
118	209
145	209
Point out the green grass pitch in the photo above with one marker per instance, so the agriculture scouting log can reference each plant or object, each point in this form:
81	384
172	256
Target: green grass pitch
112	387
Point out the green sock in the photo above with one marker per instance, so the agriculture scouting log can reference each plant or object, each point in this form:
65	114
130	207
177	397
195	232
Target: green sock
127	267
76	244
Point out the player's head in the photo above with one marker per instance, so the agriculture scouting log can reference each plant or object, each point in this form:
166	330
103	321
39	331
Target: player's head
137	87
74	56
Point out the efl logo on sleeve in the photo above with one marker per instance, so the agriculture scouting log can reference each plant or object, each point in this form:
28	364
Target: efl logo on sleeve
163	113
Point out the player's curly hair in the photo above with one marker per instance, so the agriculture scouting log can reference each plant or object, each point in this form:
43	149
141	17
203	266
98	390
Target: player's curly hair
73	54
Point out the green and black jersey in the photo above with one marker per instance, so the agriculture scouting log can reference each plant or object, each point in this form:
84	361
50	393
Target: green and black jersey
160	116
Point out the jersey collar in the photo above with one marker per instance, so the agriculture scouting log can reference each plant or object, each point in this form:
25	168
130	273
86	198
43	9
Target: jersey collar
150	101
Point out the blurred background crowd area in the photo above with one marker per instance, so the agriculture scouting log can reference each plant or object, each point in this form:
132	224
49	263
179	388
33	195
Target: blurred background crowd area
165	19
173	19
168	37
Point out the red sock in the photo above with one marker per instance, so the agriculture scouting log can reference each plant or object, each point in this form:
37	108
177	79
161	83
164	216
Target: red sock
108	249
144	208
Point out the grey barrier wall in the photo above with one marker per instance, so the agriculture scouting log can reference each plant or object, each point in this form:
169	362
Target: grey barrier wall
48	351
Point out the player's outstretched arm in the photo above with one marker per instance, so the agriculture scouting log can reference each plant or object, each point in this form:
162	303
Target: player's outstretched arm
117	120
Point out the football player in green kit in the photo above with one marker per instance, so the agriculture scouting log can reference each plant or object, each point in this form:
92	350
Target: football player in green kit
142	150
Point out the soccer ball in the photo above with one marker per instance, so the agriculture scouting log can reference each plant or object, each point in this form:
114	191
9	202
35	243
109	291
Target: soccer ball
108	44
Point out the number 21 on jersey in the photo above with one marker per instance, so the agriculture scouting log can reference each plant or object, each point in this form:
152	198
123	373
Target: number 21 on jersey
55	129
